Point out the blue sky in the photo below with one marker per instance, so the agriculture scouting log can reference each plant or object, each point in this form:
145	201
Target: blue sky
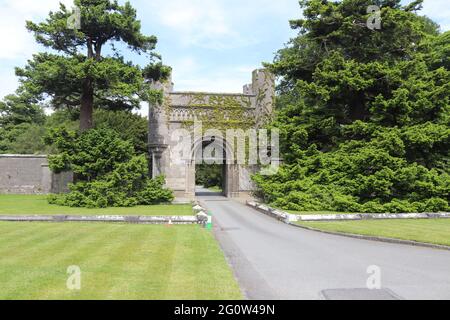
212	45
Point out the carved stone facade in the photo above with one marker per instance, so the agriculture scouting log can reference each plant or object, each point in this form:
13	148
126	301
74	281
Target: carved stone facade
183	110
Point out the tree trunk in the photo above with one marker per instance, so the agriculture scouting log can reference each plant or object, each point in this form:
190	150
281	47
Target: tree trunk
87	97
87	106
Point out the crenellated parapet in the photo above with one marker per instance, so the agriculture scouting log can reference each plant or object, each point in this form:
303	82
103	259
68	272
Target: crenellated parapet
254	105
214	110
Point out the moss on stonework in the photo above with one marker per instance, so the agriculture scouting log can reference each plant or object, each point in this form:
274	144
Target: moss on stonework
222	112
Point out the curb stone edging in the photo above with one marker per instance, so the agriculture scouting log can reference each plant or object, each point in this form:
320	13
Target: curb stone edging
200	218
284	216
290	219
277	214
118	219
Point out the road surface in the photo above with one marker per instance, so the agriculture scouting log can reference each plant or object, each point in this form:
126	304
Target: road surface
272	260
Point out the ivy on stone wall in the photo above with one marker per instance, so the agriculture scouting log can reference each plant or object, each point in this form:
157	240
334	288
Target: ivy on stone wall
221	112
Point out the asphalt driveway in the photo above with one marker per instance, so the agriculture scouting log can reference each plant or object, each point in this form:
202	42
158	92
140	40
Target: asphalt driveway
272	260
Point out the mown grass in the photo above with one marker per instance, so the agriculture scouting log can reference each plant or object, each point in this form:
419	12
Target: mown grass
117	261
38	205
435	231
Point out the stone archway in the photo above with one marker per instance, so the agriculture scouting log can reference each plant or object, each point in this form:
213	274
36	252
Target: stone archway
181	110
230	172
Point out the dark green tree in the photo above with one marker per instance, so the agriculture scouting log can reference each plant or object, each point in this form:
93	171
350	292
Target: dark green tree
81	75
20	120
130	127
364	114
19	109
109	172
209	175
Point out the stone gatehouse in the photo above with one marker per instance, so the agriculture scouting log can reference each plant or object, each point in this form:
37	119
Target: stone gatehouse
182	110
249	110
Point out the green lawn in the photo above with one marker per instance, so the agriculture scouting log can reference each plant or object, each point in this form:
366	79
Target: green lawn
436	231
38	205
117	261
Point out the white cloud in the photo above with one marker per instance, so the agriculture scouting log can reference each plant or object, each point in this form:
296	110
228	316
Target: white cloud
18	42
227	80
8	82
204	23
439	11
186	65
33	7
237	26
15	44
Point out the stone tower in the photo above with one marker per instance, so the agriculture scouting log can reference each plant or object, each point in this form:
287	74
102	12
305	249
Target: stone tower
263	88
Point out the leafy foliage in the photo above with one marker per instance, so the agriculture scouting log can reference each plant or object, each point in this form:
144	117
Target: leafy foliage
19	109
24	134
20	120
108	172
130	127
23	139
77	74
209	175
363	115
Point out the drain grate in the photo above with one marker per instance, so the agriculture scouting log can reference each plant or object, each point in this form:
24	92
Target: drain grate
359	294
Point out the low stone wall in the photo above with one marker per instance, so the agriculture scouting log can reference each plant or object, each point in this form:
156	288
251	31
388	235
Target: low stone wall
118	219
289	218
30	174
200	218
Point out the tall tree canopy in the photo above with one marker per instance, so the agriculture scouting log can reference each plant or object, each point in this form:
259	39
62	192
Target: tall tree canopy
20	120
364	114
79	74
19	109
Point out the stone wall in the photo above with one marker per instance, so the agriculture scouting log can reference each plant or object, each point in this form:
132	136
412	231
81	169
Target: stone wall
30	174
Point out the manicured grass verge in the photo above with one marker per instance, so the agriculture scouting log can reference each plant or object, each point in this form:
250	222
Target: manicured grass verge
38	205
117	261
435	231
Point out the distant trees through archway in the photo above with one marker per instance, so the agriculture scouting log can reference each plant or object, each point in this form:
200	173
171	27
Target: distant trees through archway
210	176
